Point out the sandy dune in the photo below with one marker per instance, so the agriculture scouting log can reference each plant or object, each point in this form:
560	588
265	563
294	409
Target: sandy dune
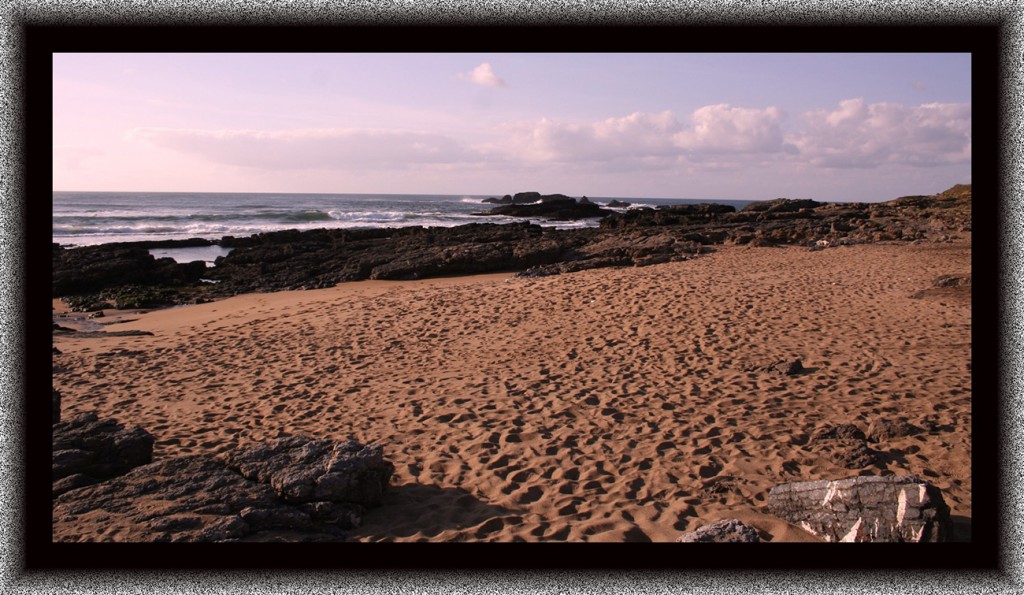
605	405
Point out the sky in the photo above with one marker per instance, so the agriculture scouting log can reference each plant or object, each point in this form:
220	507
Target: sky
832	127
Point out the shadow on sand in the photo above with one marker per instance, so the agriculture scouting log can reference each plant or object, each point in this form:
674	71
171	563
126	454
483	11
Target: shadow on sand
423	512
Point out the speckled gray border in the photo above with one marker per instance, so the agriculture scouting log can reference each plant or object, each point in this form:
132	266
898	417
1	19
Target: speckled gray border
14	580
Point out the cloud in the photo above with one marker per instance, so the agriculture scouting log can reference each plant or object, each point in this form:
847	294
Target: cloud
860	135
482	75
310	148
719	137
724	129
648	141
635	135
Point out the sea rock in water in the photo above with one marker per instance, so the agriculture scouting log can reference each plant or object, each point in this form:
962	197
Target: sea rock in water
724	531
188	499
554	207
865	509
97	448
618	204
525	197
302	469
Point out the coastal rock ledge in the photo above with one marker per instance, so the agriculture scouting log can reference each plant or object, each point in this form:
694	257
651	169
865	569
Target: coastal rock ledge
865	509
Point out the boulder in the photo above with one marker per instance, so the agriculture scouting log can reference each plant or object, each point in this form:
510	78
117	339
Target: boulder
618	204
302	469
98	448
725	531
190	499
865	509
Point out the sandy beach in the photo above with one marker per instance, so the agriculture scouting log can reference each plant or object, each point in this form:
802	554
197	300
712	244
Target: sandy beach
618	404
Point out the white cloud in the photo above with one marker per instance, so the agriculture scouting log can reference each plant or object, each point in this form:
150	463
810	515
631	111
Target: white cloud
637	135
724	129
721	138
647	141
309	148
857	134
482	75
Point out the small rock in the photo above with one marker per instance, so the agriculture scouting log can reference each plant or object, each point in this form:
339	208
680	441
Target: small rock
886	429
724	531
787	367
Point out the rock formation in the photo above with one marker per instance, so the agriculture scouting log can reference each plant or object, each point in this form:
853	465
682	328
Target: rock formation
291	489
87	450
554	207
865	509
302	469
126	276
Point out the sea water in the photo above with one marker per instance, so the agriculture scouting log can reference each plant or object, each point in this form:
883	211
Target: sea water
89	218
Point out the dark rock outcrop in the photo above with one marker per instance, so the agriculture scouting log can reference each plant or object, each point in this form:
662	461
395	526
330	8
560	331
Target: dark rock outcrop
55	406
97	449
518	199
125	275
667	215
292	489
302	469
617	204
553	207
90	269
782	205
724	531
189	499
865	509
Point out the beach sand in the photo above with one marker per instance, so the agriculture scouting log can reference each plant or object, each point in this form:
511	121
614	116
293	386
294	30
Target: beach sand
605	405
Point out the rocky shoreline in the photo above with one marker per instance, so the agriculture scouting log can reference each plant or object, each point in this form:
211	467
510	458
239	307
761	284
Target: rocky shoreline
126	275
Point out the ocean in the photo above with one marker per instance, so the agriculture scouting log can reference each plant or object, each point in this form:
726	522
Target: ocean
89	218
